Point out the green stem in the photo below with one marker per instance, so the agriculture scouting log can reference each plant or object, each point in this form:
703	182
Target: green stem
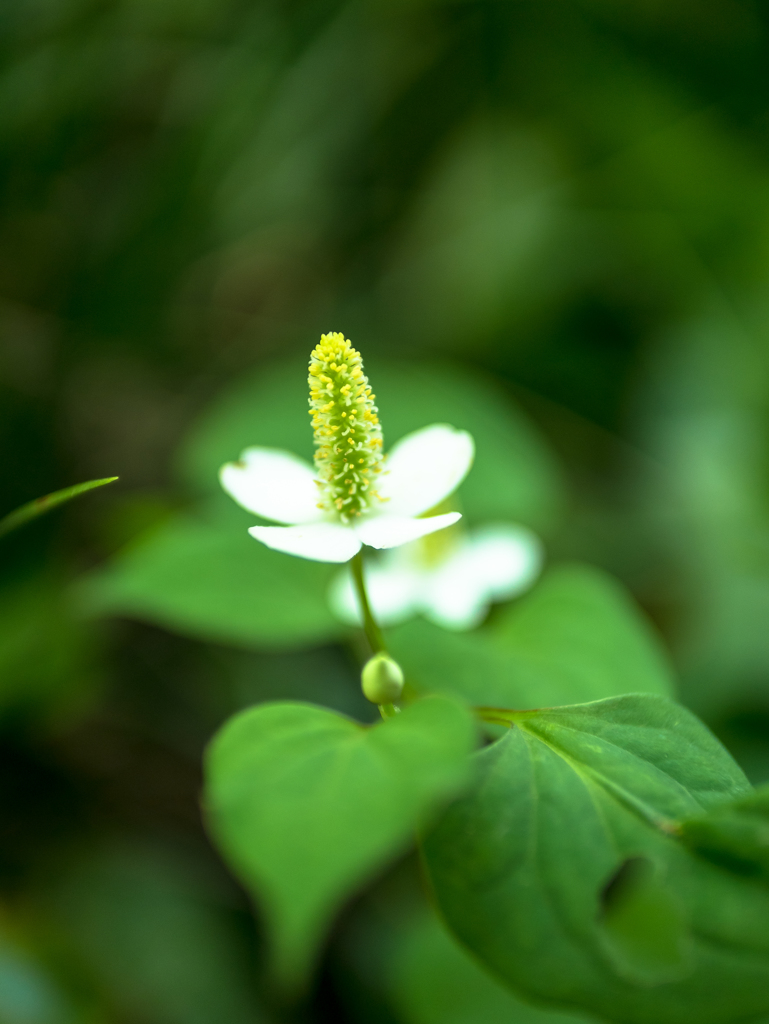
370	627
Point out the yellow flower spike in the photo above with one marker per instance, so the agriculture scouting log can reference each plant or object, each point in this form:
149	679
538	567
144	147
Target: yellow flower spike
338	365
328	512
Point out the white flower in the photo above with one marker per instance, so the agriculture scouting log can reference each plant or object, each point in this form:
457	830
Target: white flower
451	580
353	496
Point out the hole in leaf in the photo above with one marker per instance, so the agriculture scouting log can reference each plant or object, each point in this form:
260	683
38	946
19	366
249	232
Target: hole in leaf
643	924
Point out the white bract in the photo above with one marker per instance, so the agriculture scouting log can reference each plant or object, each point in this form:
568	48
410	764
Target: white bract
353	495
451	579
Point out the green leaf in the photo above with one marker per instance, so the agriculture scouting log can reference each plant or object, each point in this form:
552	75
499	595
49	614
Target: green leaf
307	805
644	924
523	867
267	408
734	834
576	637
210	579
582	626
433	981
40	506
514	476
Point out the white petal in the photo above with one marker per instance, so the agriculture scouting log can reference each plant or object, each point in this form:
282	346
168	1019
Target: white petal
321	542
393	591
425	467
452	607
507	559
497	562
386	531
274	484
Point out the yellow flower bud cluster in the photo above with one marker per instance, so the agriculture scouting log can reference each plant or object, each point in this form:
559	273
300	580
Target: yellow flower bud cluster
348	436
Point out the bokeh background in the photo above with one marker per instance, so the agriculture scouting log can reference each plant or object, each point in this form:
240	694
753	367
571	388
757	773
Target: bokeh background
568	196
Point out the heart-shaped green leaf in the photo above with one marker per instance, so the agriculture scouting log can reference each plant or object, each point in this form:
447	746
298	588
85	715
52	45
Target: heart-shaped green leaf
581	627
525	867
306	805
207	578
576	637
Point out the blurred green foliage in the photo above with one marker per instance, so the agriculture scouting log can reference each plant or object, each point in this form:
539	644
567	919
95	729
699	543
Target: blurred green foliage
566	201
574	638
156	936
47	662
435	982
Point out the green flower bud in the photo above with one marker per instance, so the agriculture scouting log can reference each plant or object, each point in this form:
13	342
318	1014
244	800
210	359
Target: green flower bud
382	679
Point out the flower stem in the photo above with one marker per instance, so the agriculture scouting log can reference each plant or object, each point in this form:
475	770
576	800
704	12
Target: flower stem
370	625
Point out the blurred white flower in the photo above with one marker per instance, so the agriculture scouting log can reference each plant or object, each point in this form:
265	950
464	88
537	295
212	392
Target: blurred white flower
452	578
353	496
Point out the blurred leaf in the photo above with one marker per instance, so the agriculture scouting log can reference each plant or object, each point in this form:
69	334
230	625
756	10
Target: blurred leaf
268	408
575	637
39	506
644	926
210	579
307	805
520	867
474	253
435	982
514	476
156	939
734	834
582	623
711	509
